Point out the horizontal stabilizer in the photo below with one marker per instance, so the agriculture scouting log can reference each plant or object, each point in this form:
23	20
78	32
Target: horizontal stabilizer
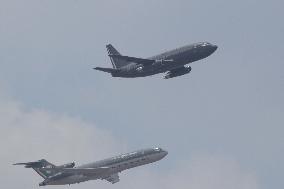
36	164
83	171
108	70
30	164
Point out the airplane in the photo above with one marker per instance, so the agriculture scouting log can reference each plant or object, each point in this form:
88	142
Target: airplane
172	62
106	169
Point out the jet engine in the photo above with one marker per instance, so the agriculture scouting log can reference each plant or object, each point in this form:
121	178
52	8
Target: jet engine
68	165
177	72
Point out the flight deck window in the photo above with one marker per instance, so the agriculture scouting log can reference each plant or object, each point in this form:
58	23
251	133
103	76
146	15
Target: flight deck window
157	149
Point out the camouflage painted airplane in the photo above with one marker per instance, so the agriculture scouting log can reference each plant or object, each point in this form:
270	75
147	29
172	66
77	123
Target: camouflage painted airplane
173	62
106	169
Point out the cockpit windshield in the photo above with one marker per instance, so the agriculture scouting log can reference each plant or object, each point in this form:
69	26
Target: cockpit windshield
157	149
204	44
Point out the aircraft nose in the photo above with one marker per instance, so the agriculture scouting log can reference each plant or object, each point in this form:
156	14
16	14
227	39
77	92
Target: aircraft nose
165	153
214	47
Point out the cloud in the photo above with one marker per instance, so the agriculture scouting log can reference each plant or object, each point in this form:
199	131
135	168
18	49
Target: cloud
28	135
210	172
199	172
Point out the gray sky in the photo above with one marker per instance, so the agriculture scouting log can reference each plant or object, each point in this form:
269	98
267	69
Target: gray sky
222	124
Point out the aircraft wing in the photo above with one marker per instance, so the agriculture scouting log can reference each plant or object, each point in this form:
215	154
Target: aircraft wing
143	61
83	171
114	178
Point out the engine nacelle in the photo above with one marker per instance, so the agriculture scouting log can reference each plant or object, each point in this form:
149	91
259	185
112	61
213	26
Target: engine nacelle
68	165
179	72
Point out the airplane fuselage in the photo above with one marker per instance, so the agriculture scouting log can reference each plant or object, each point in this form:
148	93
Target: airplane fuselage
180	57
117	164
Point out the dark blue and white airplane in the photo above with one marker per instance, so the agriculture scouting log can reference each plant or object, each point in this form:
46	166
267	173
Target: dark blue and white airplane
173	62
106	169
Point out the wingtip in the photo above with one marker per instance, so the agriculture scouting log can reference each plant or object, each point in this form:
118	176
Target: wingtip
18	164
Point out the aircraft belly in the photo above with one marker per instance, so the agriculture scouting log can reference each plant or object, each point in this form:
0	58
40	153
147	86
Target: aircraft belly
152	70
162	69
71	180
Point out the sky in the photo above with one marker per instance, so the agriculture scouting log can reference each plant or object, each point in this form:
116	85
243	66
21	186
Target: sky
222	124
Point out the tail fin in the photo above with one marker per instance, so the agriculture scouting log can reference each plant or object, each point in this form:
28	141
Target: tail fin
112	50
38	167
116	62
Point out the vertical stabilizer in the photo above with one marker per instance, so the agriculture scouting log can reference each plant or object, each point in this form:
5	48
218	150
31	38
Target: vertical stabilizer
116	62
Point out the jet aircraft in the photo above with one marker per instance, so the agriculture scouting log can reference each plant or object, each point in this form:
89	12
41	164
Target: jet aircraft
106	169
172	62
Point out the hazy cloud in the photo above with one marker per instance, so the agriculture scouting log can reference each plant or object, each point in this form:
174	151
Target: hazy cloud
28	135
230	107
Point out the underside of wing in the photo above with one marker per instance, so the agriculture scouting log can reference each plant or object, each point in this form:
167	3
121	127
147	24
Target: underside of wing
133	59
113	178
82	171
